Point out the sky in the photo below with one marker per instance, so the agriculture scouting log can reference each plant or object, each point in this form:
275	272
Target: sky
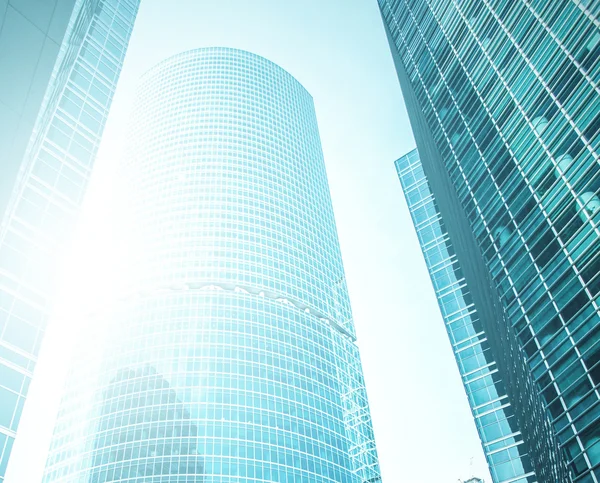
338	50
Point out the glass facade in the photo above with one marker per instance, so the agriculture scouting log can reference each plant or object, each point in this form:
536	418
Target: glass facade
504	102
240	315
498	428
77	49
30	40
145	396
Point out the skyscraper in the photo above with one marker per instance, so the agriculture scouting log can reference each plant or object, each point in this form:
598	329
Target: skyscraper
503	100
240	297
494	414
59	63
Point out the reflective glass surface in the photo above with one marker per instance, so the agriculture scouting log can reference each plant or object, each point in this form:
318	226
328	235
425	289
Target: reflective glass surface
507	95
236	360
498	428
83	62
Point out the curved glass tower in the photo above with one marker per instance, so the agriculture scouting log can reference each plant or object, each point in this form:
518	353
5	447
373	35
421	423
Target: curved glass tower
236	358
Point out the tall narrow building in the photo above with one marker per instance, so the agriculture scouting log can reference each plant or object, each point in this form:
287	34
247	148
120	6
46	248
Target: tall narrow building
504	102
59	63
240	303
500	430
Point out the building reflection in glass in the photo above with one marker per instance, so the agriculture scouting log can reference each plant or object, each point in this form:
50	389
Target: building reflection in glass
145	433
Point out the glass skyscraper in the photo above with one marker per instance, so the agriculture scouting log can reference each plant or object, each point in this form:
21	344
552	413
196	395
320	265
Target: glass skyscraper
59	63
504	102
499	429
234	359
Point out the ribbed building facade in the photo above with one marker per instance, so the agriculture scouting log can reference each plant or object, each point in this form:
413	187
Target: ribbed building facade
499	429
59	64
240	304
504	103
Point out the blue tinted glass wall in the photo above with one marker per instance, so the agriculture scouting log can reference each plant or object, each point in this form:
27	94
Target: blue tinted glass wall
58	120
498	428
237	359
508	93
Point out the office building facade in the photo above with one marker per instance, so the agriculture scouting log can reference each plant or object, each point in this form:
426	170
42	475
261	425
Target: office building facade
504	103
499	430
163	426
240	302
59	63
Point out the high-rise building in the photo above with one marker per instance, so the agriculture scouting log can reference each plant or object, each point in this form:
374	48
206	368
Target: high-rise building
504	102
240	297
59	62
494	414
